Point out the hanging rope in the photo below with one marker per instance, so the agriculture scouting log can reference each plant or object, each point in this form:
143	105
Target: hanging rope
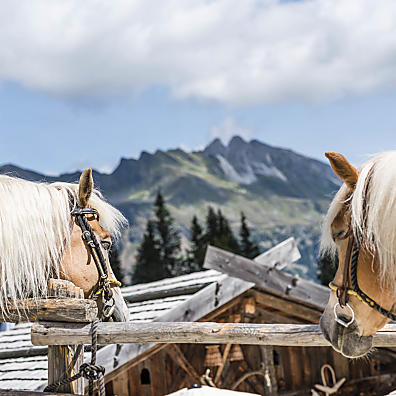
247	375
90	371
328	389
207	380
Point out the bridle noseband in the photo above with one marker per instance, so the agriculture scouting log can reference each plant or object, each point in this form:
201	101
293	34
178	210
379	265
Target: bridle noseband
350	276
344	291
105	283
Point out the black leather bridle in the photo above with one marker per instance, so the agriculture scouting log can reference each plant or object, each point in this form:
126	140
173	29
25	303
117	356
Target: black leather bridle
350	278
105	283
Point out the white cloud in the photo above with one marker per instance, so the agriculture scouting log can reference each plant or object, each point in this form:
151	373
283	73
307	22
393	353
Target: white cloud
227	129
231	51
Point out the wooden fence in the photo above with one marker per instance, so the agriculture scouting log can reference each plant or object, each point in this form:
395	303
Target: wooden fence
63	319
46	333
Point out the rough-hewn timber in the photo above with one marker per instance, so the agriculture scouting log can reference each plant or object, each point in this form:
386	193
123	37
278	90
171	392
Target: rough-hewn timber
266	276
200	333
280	255
50	309
62	358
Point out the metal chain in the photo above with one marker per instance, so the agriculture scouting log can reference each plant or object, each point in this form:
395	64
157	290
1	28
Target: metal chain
90	371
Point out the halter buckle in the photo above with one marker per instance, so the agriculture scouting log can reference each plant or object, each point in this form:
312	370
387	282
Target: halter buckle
340	320
108	308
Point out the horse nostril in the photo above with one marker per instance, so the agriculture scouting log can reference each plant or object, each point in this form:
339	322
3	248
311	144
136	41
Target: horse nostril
324	329
326	334
342	317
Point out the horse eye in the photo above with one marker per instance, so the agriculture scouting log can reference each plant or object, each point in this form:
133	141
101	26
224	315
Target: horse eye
106	245
338	234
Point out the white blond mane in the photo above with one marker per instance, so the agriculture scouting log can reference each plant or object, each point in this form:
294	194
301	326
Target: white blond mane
35	226
378	226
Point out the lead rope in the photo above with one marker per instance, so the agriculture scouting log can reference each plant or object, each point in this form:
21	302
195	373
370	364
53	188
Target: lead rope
97	371
91	371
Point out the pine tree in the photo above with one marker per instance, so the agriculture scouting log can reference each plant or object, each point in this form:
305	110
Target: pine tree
168	238
326	268
225	238
218	231
248	247
198	245
212	229
148	262
115	263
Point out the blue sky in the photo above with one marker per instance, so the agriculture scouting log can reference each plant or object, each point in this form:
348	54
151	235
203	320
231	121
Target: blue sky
82	84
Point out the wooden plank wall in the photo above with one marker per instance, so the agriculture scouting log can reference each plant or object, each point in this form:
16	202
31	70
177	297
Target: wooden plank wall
295	367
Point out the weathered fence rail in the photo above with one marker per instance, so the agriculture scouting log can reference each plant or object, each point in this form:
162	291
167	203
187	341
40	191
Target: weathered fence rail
50	309
65	303
46	333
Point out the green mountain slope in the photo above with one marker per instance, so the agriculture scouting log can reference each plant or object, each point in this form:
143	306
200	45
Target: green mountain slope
281	192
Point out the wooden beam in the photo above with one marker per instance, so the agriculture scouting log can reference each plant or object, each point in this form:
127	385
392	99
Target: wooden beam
280	255
146	295
210	299
266	277
193	333
221	367
249	308
120	383
50	309
177	355
60	358
63	358
274	317
288	306
64	288
149	350
223	309
25	352
270	381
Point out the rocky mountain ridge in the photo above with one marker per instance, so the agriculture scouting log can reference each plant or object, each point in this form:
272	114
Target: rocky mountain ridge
281	192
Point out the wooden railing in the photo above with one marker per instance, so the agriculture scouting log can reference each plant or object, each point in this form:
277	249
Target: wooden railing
46	333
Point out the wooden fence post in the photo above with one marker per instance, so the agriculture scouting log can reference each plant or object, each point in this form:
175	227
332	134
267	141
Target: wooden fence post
60	357
270	381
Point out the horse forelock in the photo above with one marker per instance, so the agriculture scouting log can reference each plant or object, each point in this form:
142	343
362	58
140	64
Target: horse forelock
35	226
373	212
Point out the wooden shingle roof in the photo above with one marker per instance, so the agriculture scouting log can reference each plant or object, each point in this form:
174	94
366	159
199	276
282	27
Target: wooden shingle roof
24	366
185	298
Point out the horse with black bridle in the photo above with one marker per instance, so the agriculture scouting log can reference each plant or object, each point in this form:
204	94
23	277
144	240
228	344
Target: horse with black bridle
360	227
59	230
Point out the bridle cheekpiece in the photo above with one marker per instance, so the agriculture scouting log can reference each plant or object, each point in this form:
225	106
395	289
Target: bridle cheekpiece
350	276
105	283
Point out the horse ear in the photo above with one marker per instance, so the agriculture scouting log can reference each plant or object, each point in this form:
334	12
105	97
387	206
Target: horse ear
85	187
343	169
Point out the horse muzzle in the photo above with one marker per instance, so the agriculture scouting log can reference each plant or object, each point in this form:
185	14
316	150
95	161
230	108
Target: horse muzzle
346	340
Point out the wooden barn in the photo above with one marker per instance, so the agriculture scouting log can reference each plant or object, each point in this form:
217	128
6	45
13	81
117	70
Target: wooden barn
233	289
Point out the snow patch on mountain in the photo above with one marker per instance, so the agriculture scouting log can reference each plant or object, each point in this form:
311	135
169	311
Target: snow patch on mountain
259	168
232	174
251	170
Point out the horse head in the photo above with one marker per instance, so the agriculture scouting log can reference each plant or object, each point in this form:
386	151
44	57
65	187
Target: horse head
360	227
58	230
78	264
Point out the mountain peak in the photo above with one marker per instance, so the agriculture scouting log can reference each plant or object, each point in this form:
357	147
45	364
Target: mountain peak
215	148
236	142
145	155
